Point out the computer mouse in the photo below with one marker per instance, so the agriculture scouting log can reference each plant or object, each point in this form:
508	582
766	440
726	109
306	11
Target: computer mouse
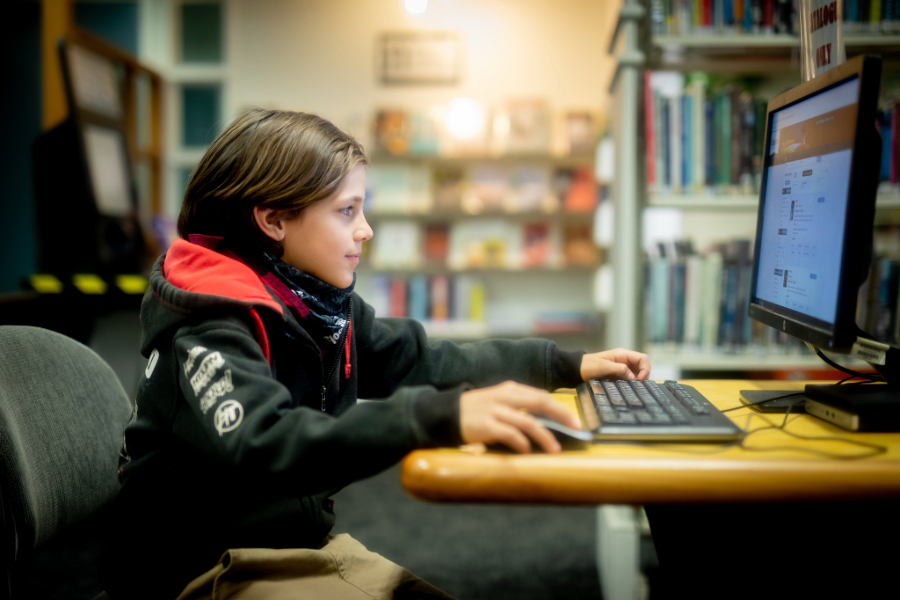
568	438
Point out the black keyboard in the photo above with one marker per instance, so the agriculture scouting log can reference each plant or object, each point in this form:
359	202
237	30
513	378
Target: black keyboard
649	411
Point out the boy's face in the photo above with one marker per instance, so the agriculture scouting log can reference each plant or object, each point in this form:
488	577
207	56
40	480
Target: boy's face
325	240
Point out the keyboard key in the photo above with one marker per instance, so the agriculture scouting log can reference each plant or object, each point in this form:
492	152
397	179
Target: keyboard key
630	396
615	397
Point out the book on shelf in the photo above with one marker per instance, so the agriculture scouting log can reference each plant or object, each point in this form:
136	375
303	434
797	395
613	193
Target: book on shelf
522	126
439	294
399	189
418	304
397	245
578	246
424	133
380	295
437	243
483	243
535	244
529	190
489	188
582	193
467	298
397	294
391	131
448	186
580	131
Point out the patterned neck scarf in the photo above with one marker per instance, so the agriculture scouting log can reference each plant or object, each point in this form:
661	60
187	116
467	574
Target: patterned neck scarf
327	306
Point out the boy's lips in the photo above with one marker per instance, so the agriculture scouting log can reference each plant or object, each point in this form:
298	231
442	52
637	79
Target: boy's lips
353	258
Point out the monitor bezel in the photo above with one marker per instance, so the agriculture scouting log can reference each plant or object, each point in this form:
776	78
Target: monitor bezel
859	221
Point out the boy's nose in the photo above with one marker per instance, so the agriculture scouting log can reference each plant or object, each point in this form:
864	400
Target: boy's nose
364	233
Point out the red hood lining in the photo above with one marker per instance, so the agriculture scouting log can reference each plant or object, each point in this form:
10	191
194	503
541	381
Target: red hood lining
194	268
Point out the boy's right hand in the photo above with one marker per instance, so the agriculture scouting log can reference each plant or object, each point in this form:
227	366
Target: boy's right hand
496	414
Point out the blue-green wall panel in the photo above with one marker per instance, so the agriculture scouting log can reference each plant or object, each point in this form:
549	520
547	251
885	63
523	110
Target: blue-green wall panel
115	22
20	36
200	119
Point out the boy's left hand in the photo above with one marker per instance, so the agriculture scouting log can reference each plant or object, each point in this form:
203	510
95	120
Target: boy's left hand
615	364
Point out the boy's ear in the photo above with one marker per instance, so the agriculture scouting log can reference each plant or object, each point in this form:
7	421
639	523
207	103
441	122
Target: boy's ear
269	222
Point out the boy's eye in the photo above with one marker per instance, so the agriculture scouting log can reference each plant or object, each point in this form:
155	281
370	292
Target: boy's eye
348	210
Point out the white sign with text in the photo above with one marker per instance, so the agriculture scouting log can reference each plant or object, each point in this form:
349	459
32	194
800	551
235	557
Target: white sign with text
821	39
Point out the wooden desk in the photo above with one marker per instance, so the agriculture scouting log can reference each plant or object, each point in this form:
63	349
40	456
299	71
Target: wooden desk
771	467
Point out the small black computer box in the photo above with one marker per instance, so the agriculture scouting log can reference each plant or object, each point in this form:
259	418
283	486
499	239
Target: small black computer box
863	407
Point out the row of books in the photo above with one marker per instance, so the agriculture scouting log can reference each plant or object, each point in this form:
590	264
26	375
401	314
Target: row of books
684	17
701	138
681	17
416	188
466	127
482	243
428	298
460	299
699	302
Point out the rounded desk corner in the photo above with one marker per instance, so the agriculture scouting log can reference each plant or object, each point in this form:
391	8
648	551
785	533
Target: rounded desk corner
414	470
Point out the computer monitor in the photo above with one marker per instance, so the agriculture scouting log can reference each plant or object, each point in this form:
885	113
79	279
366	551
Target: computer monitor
814	238
87	212
817	205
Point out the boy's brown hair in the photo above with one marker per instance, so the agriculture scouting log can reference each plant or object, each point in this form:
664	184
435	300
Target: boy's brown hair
270	158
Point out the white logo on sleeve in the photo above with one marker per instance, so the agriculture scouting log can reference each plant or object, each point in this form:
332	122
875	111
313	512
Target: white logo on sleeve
206	371
228	416
151	364
193	353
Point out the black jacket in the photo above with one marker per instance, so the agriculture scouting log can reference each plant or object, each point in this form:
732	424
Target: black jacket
241	432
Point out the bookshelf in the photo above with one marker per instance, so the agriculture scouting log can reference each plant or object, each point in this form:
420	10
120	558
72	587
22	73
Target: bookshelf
772	60
550	295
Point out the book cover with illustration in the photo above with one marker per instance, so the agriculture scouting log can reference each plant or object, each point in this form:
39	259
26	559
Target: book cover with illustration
535	244
522	126
529	190
578	245
582	193
448	186
391	131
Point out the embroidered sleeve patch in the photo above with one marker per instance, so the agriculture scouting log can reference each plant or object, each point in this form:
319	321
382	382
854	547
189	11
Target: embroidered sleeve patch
216	390
206	371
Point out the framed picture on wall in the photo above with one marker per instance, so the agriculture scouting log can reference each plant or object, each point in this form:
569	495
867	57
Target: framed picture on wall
429	57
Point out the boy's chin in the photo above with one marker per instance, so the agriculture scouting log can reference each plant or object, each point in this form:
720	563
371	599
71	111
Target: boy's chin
340	282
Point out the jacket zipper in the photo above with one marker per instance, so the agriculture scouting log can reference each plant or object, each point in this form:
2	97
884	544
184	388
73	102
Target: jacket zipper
337	358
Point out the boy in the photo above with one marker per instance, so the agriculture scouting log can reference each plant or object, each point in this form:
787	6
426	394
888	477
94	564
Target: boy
246	421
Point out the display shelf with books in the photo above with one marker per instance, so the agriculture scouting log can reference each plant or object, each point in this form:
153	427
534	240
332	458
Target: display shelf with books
481	238
701	82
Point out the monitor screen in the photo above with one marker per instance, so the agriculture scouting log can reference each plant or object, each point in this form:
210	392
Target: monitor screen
107	164
95	82
804	205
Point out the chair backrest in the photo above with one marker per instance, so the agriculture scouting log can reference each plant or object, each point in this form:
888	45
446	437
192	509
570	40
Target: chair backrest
62	415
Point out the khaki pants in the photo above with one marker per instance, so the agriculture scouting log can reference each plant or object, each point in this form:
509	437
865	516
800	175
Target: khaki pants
342	569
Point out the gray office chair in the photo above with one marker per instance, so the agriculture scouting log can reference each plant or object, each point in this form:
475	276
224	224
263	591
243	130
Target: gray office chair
62	415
